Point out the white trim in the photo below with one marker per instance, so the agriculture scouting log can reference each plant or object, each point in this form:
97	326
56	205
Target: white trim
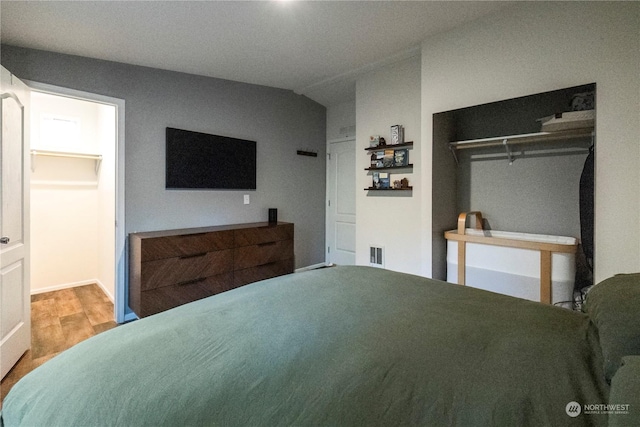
121	261
312	267
73	285
345	139
129	317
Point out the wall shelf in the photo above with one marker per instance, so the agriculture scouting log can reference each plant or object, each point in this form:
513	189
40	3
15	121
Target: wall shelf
390	147
35	153
410	166
389	189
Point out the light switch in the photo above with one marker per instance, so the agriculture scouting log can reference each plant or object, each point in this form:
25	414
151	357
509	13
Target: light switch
246	199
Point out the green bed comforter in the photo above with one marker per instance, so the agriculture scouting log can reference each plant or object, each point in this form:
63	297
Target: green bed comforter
336	346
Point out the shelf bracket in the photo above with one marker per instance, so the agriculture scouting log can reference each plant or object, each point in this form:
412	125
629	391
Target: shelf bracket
453	152
507	149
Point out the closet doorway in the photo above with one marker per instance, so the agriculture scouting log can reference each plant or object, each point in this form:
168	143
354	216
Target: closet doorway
75	193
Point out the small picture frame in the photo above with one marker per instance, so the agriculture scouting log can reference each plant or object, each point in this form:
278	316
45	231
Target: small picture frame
384	180
387	160
376	180
401	157
397	134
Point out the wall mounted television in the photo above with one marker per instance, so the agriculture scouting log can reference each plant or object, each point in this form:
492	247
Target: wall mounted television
197	160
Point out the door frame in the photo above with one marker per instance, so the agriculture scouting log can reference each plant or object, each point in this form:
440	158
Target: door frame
121	261
329	239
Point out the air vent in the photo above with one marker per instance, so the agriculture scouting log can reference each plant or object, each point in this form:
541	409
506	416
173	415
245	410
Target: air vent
376	256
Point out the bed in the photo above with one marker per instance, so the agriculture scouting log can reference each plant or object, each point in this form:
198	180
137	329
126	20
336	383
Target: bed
349	346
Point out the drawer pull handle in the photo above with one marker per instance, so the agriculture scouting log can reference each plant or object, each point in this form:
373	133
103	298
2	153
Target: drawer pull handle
267	244
268	263
192	282
193	256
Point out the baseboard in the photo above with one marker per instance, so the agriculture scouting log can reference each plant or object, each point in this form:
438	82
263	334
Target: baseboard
104	289
311	267
73	285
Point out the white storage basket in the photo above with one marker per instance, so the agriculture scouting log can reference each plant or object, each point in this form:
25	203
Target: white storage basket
532	266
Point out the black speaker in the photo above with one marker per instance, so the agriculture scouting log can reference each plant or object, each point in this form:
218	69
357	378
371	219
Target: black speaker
273	216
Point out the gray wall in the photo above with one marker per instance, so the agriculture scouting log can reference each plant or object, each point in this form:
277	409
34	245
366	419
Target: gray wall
533	195
279	120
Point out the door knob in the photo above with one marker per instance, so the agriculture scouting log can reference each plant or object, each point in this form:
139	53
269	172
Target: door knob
4	240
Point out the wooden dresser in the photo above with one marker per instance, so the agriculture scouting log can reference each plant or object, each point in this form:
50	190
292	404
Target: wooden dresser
173	267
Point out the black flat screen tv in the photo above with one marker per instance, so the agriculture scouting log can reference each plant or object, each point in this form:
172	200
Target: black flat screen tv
202	161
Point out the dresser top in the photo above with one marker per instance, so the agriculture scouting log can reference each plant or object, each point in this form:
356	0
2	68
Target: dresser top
199	230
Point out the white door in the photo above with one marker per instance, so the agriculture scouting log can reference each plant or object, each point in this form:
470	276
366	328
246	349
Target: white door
15	304
341	203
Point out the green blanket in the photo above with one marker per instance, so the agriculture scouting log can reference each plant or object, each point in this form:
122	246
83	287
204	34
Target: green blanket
336	346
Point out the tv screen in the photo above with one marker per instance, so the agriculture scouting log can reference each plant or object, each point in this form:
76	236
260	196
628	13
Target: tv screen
200	160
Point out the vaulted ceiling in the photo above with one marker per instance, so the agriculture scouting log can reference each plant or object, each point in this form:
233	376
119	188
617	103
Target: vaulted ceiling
315	48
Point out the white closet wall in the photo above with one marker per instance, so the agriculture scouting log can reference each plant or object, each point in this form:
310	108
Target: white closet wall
72	204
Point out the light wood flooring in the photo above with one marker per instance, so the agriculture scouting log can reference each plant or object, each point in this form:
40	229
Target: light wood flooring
60	319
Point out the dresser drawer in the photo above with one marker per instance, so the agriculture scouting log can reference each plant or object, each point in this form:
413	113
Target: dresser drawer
168	268
257	235
172	271
157	300
264	253
261	272
185	244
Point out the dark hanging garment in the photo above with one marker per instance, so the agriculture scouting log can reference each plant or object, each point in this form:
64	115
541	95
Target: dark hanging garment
586	208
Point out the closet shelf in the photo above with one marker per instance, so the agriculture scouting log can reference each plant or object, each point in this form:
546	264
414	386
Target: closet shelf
47	153
520	139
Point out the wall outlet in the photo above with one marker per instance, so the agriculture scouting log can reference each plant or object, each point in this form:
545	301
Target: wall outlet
246	199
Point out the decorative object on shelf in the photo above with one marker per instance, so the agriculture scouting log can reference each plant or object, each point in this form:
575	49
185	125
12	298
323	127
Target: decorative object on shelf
397	134
385	180
583	101
401	184
401	157
387	160
568	120
381	180
376	141
377	158
374	160
376	180
273	216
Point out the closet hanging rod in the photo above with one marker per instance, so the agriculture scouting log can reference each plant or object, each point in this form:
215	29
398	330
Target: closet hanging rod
35	153
522	138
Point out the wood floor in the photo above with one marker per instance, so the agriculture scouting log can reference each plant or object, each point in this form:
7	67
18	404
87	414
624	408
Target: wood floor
60	319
